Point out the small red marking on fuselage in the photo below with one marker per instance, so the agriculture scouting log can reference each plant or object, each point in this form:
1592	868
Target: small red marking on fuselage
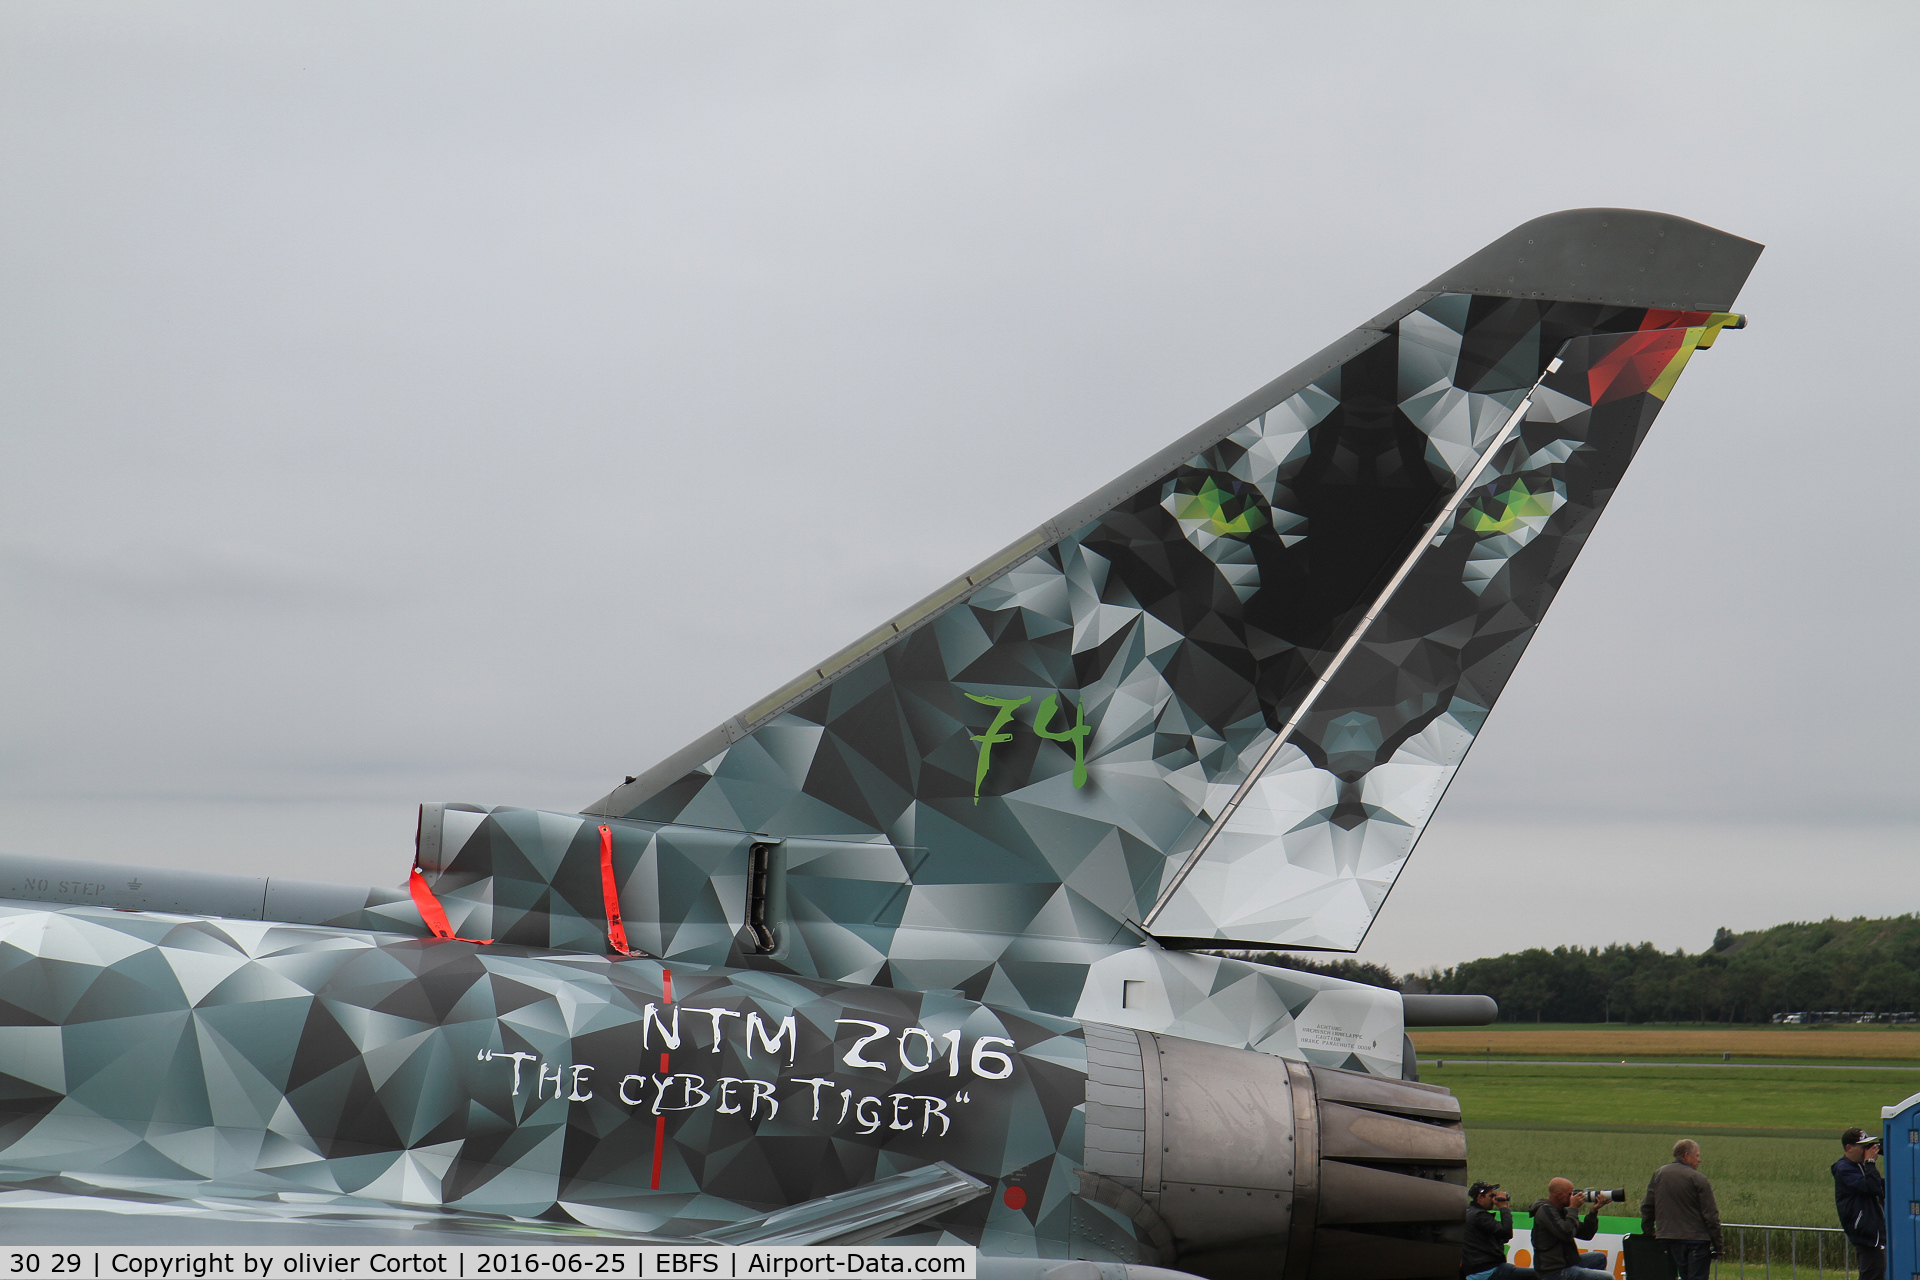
660	1122
659	1147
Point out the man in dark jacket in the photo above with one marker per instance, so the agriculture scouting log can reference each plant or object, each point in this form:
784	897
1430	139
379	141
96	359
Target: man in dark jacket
1483	1255
1556	1225
1680	1212
1860	1195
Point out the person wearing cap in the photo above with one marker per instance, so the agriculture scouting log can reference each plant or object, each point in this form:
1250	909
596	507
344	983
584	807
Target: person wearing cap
1483	1255
1860	1194
1680	1212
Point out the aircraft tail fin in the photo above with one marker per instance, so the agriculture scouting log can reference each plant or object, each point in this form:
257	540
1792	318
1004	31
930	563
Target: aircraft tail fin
1219	699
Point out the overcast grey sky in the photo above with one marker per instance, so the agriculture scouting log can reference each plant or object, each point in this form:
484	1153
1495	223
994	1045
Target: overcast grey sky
477	401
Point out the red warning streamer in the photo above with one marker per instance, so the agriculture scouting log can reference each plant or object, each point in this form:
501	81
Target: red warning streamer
432	912
610	893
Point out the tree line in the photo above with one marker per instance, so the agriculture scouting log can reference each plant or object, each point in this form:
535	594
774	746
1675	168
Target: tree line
1859	964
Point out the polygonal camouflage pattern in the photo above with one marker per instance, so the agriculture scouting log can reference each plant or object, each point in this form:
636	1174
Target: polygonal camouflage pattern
175	1057
1028	774
1311	852
532	878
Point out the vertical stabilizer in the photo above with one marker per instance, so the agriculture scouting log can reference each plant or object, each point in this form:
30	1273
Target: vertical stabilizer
1220	698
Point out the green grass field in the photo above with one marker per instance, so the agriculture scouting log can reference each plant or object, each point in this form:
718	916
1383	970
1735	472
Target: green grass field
1778	1181
1767	1136
1831	1043
1809	1104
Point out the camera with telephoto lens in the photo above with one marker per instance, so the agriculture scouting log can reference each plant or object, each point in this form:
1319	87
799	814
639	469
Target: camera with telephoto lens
1598	1198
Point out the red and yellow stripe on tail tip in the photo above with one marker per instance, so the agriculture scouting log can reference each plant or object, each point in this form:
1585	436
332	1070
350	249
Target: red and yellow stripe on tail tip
1652	358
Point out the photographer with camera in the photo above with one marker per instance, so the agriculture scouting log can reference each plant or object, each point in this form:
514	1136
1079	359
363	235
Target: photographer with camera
1681	1213
1483	1253
1557	1224
1860	1194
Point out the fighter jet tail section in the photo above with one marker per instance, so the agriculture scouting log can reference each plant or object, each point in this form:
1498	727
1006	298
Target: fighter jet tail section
1220	699
916	946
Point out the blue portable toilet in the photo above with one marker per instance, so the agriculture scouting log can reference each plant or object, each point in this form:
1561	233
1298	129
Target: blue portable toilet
1900	1134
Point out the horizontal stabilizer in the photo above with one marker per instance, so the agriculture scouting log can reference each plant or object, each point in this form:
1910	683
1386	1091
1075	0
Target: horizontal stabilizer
864	1214
72	1209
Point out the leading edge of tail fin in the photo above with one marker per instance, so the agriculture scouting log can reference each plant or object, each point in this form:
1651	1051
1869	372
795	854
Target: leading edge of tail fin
1220	698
